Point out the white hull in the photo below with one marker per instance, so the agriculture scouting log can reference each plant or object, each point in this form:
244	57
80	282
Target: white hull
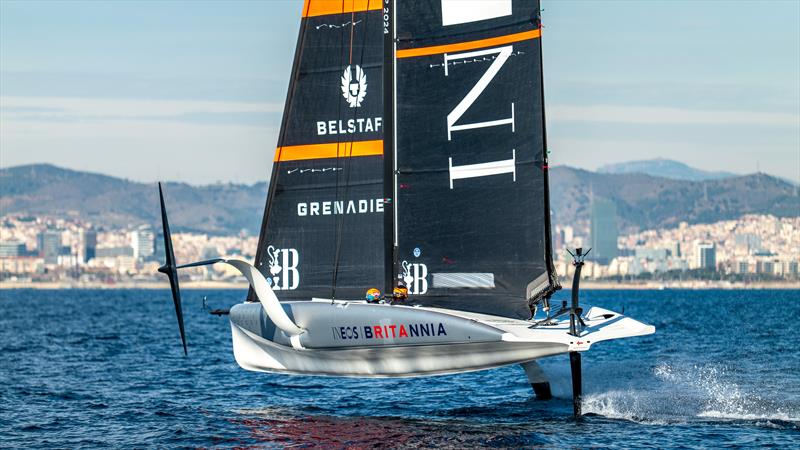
465	342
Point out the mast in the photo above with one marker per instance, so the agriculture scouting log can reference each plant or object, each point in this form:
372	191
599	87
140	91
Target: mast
389	184
548	233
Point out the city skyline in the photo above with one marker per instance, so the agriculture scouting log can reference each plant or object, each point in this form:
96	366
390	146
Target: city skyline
72	250
136	90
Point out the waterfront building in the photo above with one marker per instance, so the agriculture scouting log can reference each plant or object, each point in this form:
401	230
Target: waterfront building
705	255
143	242
88	245
12	249
604	231
49	245
113	252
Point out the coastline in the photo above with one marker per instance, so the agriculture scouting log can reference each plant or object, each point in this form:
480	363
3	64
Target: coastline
242	285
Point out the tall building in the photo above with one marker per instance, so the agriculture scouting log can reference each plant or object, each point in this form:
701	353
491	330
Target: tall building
705	255
88	245
604	230
49	245
143	242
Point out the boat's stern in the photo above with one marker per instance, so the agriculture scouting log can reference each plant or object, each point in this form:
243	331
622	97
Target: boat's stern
603	325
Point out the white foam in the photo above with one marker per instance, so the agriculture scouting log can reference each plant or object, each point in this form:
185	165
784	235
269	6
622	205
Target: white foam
778	415
682	394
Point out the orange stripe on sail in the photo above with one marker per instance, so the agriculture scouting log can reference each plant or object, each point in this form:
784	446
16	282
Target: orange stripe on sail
330	150
313	8
469	45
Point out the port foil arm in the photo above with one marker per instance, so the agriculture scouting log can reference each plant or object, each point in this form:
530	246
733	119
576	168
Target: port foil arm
269	301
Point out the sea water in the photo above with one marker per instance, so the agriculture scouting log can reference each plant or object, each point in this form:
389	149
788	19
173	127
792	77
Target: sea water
97	368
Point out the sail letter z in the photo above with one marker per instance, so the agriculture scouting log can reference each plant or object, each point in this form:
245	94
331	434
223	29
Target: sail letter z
502	56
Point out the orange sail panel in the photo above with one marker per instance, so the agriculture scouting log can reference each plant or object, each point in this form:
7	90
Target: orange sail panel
469	45
313	8
329	150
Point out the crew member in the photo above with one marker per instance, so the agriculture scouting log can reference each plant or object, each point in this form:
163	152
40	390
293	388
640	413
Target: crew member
373	295
400	293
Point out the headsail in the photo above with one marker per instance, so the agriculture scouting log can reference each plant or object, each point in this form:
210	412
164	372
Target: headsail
472	215
322	227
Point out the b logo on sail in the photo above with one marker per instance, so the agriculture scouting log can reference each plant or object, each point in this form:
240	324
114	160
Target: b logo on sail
415	276
283	271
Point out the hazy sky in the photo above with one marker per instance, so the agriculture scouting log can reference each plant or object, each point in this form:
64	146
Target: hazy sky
194	91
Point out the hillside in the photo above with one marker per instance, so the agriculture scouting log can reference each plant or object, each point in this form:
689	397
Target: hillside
647	202
664	168
643	201
43	189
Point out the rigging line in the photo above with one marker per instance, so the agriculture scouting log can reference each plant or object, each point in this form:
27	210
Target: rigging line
337	224
348	160
352	27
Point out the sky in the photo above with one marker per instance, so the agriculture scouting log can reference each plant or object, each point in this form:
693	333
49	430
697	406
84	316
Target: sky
193	91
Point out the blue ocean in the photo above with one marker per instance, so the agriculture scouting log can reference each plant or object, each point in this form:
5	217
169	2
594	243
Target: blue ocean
105	368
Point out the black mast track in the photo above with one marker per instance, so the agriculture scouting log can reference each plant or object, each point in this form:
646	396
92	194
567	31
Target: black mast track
298	51
388	145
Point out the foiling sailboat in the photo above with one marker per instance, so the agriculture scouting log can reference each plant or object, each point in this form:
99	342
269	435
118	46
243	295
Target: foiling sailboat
412	152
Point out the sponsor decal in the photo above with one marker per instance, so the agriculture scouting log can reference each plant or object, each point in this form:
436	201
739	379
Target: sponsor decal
383	332
415	276
500	55
301	171
354	90
284	274
350	126
333	208
386	16
354	85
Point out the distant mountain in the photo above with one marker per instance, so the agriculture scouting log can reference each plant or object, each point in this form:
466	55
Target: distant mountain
43	189
665	168
648	202
643	201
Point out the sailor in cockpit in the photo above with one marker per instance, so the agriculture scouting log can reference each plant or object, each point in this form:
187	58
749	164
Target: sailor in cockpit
399	295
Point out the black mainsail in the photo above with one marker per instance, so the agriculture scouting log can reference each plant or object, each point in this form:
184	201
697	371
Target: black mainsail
471	210
321	233
458	208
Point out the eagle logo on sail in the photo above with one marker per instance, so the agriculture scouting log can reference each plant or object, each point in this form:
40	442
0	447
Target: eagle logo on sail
354	89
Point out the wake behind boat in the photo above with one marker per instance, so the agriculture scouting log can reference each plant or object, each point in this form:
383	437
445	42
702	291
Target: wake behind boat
412	156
